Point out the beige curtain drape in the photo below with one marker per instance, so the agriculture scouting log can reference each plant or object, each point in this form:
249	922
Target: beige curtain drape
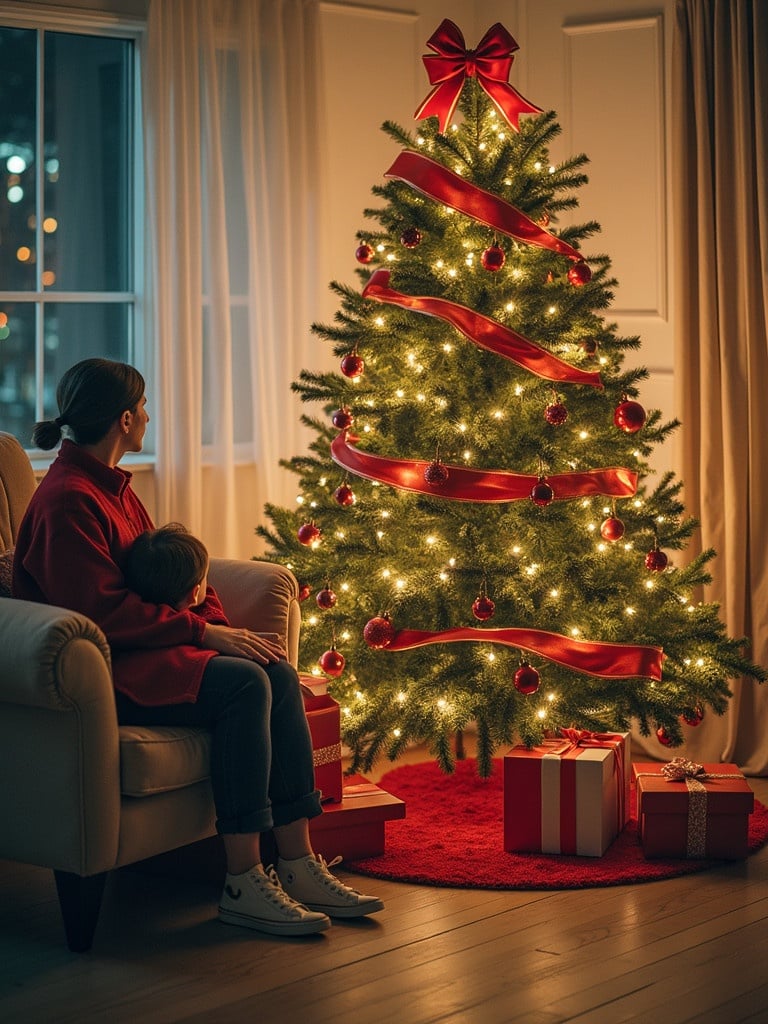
230	94
719	164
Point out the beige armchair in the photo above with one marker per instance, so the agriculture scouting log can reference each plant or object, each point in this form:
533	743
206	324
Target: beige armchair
78	793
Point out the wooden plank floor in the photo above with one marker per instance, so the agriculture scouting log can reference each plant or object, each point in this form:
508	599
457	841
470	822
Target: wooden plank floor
691	949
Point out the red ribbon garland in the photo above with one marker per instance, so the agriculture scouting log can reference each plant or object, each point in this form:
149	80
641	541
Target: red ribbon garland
483	331
594	658
477	484
490	63
437	182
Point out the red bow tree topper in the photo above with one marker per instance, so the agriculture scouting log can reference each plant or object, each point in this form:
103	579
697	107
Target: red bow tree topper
490	63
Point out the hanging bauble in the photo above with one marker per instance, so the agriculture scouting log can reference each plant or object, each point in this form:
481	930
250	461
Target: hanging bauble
550	277
379	632
364	253
612	529
493	258
663	737
579	273
436	473
410	238
483	608
693	716
541	493
342	418
325	598
656	560
332	662
304	591
307	533
555	413
629	416
543	220
344	495
526	679
588	345
352	365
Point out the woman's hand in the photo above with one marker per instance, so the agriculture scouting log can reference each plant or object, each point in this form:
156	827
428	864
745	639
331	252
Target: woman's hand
244	643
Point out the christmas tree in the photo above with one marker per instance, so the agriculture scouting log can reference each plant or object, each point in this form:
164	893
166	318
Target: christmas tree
479	537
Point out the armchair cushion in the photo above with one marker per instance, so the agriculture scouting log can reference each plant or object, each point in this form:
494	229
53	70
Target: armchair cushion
159	759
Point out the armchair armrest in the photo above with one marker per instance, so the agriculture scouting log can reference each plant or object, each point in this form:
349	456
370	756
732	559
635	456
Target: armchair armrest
59	743
41	646
261	596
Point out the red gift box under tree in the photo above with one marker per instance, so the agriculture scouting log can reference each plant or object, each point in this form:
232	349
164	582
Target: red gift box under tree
693	810
568	795
324	719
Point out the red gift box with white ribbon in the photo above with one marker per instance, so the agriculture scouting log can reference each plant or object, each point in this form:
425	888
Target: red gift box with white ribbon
324	719
569	795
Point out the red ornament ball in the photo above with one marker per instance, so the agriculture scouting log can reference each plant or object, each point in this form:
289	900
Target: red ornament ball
693	717
612	529
352	365
483	608
410	238
629	416
542	494
379	632
331	662
555	413
307	533
304	591
543	220
325	598
493	258
579	273
342	418
364	253
663	737
526	679
656	560
436	474
344	495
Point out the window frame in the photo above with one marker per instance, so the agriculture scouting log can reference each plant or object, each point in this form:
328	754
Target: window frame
45	18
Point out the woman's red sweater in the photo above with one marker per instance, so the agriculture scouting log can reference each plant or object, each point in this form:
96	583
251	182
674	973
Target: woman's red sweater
70	551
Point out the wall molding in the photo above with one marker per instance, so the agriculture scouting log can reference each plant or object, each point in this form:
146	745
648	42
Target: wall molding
653	25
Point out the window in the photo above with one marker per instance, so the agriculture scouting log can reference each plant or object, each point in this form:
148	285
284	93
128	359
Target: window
68	252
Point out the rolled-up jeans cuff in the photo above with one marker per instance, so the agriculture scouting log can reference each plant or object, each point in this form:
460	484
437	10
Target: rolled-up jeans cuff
305	807
255	821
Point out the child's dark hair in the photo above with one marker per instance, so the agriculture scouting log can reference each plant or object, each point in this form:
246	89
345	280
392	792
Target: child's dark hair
91	395
164	565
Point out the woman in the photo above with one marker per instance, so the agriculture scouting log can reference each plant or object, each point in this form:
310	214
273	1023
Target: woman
186	667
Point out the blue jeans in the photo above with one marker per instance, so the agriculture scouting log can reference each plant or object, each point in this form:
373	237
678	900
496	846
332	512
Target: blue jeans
261	752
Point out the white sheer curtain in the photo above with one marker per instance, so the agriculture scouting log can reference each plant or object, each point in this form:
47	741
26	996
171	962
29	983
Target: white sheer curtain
233	202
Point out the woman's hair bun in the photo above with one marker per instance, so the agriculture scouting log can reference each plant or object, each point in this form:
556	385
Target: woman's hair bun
46	434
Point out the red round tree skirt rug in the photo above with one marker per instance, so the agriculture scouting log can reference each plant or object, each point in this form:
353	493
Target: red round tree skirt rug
452	835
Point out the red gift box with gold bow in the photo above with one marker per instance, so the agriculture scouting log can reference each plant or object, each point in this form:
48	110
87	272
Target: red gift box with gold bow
324	718
693	810
569	795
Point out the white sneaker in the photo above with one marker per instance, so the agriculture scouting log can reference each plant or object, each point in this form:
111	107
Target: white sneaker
309	881
256	899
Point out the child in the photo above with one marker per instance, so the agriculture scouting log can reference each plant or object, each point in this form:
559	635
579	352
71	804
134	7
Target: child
168	566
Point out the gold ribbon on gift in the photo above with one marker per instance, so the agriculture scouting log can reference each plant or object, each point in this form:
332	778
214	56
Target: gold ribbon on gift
679	769
326	755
